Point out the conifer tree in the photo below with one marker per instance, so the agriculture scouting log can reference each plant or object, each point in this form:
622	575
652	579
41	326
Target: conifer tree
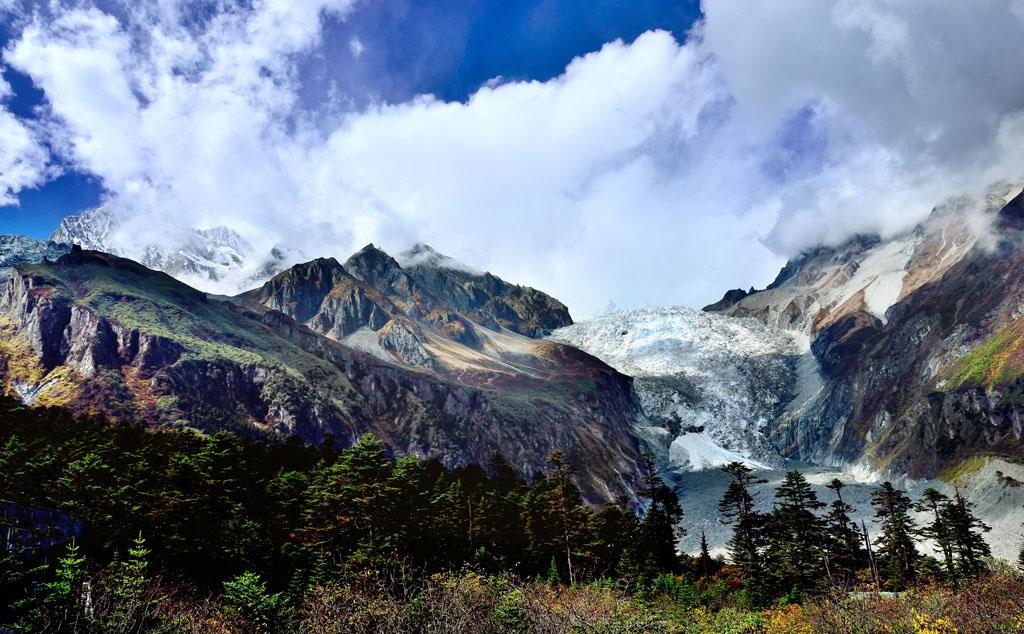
796	548
843	545
615	531
1020	560
660	527
65	599
896	553
502	539
935	503
705	563
737	509
349	513
559	524
966	536
127	608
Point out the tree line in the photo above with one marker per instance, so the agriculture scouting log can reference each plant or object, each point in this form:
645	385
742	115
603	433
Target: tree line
213	508
804	545
273	520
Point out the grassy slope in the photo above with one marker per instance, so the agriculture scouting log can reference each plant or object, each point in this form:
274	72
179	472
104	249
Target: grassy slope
207	330
998	360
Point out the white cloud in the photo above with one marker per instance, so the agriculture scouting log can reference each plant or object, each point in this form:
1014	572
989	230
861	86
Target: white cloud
356	47
649	172
24	162
915	97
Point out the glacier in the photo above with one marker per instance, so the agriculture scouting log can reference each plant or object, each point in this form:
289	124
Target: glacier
709	385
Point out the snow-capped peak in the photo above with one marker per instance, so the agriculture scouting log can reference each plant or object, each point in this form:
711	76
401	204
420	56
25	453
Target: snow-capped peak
217	259
424	255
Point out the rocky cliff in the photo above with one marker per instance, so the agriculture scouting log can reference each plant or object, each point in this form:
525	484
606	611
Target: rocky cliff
914	342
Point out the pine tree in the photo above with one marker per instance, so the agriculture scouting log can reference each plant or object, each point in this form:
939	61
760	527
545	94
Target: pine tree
660	527
247	595
897	555
737	509
65	599
499	518
705	564
966	536
558	524
935	503
843	545
615	531
124	586
796	548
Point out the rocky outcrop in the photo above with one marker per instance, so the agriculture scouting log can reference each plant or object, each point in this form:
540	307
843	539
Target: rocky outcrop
202	254
484	298
413	312
731	297
16	250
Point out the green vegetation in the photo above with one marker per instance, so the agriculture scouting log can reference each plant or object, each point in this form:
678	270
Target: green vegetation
958	473
999	360
189	533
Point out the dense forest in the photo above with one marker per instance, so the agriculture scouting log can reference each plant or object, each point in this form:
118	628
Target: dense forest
174	531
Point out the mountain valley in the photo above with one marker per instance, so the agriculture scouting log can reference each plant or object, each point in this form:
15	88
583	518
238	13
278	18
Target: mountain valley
877	358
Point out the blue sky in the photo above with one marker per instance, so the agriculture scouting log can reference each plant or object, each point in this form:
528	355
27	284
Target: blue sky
640	153
448	49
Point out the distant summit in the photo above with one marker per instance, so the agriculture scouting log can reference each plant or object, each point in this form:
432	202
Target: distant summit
212	254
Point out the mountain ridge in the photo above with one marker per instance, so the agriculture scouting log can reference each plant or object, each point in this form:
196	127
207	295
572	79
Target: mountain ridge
100	334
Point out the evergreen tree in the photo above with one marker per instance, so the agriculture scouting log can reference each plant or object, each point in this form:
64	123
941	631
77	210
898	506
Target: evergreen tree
661	526
65	600
748	525
706	566
844	550
501	538
615	532
936	503
897	555
1020	560
126	606
248	596
565	513
966	536
350	511
796	544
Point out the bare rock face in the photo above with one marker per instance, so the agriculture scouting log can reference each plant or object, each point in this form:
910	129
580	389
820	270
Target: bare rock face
112	337
913	341
16	250
484	298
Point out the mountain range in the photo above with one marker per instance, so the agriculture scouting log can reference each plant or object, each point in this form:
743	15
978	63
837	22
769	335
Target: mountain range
323	350
893	356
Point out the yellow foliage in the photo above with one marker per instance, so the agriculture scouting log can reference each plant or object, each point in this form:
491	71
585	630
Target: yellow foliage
22	363
924	624
790	619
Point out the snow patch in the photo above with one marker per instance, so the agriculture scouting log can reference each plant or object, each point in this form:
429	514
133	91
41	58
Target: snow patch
29	392
698	451
880	275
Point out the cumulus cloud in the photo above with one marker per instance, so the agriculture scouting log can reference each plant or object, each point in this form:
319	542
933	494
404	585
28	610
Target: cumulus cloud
914	99
24	162
649	172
